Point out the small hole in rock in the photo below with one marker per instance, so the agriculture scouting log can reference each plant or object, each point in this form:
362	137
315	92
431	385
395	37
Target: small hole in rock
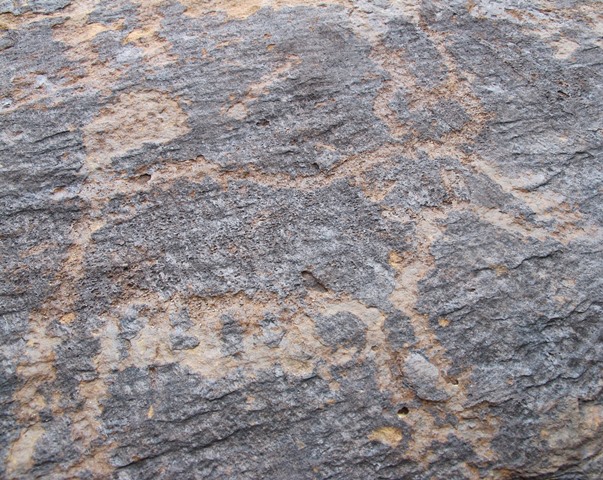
374	348
143	178
263	123
403	412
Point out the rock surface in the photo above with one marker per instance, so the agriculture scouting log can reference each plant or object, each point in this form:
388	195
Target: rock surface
301	239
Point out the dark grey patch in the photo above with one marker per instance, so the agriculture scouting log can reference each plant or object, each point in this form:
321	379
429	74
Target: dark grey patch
418	184
181	319
522	448
425	62
546	111
19	7
422	182
452	454
180	240
116	10
343	329
534	325
74	361
399	331
13	327
55	447
312	428
181	322
113	50
180	341
431	122
131	323
232	335
272	331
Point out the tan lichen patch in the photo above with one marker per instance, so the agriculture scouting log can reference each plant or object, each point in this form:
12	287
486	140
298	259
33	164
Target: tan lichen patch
87	32
78	33
391	436
35	368
564	48
67	318
20	457
134	119
155	48
238	111
410	269
86	429
38	249
500	270
354	169
443	322
299	350
512	224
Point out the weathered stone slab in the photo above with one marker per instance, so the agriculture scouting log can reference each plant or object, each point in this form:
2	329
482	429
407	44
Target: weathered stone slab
301	239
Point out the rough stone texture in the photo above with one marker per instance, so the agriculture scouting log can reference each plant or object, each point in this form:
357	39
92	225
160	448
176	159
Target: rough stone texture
301	239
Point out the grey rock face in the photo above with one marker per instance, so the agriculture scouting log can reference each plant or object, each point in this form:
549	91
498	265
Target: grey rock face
261	239
18	7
